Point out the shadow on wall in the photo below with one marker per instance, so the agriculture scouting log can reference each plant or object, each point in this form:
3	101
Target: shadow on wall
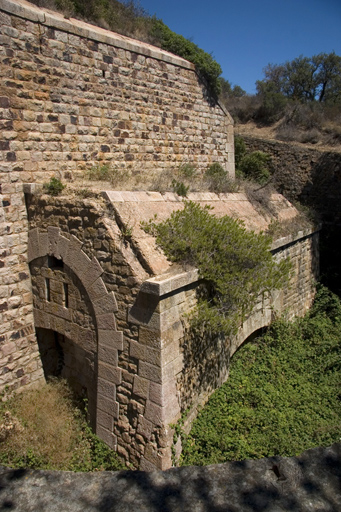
62	358
323	190
265	485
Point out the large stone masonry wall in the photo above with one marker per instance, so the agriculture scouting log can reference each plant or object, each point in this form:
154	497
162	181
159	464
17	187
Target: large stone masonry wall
19	355
73	95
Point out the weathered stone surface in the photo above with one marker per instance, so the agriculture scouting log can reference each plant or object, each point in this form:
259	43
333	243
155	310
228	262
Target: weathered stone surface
308	483
64	104
152	123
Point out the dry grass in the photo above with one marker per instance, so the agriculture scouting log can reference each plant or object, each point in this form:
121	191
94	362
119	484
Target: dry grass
106	177
42	428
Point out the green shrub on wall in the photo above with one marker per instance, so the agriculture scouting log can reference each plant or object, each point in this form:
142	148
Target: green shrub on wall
254	166
236	264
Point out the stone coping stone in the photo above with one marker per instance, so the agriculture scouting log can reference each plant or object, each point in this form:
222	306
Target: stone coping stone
167	283
310	482
57	20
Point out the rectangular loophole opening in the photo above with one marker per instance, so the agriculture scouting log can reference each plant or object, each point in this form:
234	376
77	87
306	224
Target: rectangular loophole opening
47	289
66	295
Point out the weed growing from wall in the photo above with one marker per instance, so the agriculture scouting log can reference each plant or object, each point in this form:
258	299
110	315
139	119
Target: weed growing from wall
54	187
235	264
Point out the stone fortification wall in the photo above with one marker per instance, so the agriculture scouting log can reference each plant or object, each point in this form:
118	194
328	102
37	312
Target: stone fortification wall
74	95
118	329
309	175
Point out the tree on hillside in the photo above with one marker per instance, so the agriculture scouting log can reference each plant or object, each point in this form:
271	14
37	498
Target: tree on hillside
228	91
305	79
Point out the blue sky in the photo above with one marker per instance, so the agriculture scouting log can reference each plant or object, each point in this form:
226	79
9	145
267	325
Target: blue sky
246	35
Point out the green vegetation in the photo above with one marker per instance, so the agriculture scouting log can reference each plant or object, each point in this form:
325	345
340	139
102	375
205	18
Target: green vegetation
54	187
217	178
282	395
305	79
302	98
254	166
180	188
236	264
43	428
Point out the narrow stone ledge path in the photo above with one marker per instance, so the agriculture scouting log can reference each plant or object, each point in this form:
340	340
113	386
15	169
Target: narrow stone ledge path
308	483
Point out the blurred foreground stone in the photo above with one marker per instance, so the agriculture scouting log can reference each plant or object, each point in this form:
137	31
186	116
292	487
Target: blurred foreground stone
308	483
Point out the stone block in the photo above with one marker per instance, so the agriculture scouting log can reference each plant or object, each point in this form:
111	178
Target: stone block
91	273
73	254
106	388
109	373
106	322
105	404
149	371
105	304
149	337
107	436
111	338
141	387
97	289
53	234
137	350
33	245
107	354
104	420
43	243
146	465
62	247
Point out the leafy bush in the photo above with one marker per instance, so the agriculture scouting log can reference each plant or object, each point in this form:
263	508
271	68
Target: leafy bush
180	188
42	428
281	396
272	107
239	150
217	179
236	264
54	187
187	170
255	166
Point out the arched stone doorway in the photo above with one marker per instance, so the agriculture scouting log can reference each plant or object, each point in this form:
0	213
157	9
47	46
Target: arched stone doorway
76	327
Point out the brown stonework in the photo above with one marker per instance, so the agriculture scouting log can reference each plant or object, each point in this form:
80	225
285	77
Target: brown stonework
109	309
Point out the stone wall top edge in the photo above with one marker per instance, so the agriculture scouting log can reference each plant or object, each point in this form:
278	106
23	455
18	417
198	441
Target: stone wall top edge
52	19
163	284
286	240
291	145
